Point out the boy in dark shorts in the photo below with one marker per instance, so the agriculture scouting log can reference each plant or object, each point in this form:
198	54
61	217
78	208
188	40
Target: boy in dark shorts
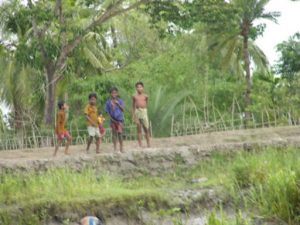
115	108
60	129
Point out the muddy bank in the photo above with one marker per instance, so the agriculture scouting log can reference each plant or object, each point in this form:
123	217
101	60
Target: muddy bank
189	205
153	161
162	156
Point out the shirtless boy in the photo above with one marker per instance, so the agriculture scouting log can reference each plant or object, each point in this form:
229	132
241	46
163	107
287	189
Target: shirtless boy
140	114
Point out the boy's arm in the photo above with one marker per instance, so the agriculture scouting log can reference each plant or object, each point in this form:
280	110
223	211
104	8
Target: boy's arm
121	105
147	98
133	105
90	120
133	110
107	109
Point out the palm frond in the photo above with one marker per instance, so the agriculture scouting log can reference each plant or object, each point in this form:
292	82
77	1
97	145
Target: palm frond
92	58
272	16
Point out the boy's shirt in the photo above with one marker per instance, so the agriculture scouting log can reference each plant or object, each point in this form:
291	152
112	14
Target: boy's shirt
114	110
60	122
101	120
91	112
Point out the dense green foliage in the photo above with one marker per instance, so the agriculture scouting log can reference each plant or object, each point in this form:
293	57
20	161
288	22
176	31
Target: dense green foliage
190	55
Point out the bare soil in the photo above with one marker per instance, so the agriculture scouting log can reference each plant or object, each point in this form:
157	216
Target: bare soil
190	148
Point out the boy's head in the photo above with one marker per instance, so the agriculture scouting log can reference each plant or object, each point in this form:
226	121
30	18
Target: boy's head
139	87
62	105
92	98
114	92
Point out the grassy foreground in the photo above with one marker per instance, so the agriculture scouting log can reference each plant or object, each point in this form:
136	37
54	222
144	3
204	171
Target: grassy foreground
266	183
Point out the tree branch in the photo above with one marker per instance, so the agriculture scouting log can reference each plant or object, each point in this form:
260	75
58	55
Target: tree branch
38	34
108	14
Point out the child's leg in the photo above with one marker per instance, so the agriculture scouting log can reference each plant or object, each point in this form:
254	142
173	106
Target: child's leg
98	137
97	145
114	138
147	136
89	142
59	141
69	141
139	131
120	136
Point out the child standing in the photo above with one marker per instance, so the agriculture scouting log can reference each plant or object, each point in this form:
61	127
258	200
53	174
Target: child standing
101	120
60	130
115	108
91	115
140	114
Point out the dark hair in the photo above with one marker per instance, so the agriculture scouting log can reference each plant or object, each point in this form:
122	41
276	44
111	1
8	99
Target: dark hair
60	104
113	89
92	95
139	83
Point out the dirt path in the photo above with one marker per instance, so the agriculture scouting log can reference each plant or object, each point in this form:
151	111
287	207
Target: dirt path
197	145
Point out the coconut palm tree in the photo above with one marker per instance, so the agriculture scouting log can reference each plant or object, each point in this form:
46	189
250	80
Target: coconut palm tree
14	88
251	10
237	47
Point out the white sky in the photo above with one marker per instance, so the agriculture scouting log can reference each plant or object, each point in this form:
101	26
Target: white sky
288	24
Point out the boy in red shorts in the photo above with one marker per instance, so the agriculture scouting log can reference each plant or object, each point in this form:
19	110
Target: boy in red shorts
60	130
115	108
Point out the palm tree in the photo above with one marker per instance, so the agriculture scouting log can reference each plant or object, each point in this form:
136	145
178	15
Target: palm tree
230	49
237	47
250	11
3	126
14	89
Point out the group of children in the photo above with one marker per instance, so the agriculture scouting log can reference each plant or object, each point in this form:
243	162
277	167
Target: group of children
115	108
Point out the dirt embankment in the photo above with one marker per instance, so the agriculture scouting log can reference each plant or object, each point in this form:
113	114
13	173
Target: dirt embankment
165	153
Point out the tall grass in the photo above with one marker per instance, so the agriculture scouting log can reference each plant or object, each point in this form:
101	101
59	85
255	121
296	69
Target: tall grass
40	197
66	185
272	183
266	183
222	219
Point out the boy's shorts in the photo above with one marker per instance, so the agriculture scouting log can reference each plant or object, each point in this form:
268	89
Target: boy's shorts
102	130
93	131
142	116
117	126
64	135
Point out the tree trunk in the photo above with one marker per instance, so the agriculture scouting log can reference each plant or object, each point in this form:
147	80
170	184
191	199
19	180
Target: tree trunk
18	124
50	96
246	56
115	42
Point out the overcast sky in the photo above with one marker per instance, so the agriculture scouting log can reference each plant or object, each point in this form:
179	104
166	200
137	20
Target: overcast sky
288	24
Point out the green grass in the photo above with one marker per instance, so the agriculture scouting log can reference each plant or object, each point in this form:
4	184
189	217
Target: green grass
272	181
63	190
266	183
